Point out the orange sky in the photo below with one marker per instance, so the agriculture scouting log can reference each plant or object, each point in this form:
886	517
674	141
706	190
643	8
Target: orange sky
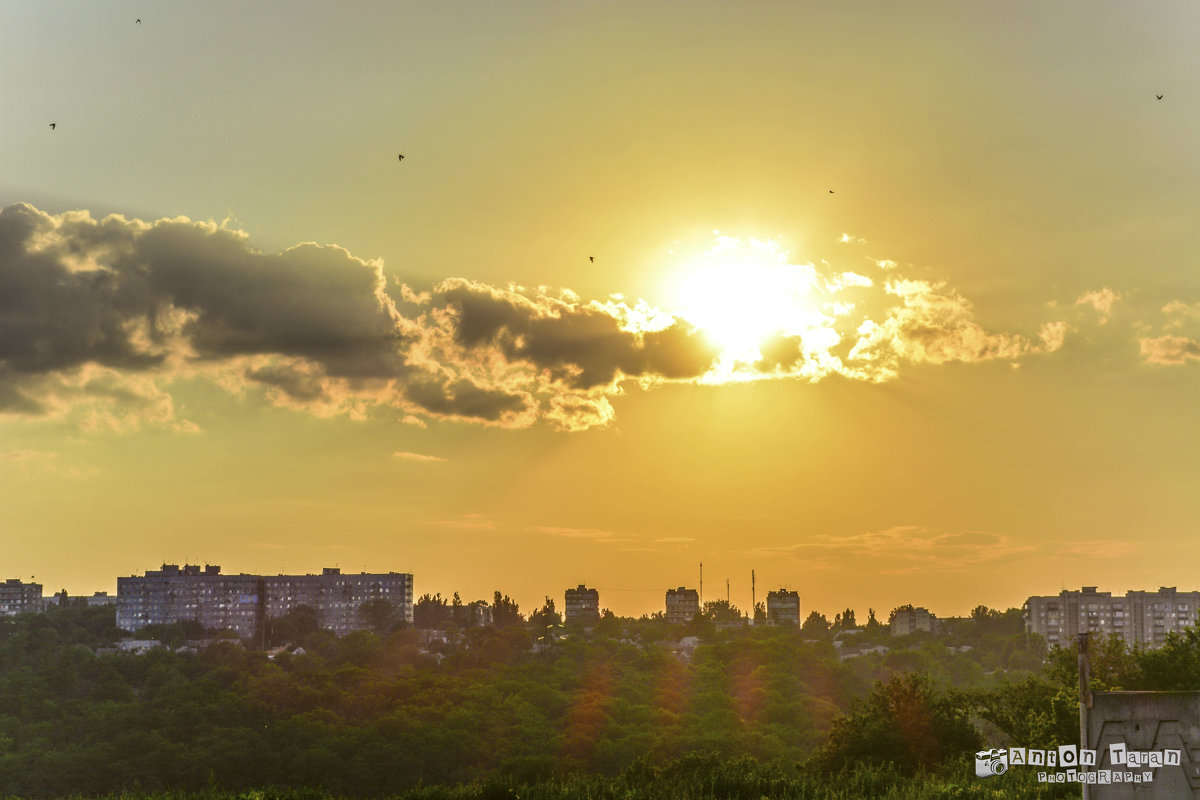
889	304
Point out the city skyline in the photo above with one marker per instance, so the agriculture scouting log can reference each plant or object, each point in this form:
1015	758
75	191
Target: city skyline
889	305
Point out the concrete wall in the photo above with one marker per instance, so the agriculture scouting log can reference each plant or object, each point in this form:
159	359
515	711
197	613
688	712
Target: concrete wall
1148	721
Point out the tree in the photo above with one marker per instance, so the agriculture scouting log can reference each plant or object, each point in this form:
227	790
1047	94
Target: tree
293	626
905	722
815	625
505	612
378	615
457	613
722	611
1033	713
546	616
431	612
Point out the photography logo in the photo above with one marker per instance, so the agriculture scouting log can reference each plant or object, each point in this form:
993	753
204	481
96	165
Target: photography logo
1071	764
991	762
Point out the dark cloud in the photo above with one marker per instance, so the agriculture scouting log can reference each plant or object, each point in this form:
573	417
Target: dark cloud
99	318
582	346
53	317
462	398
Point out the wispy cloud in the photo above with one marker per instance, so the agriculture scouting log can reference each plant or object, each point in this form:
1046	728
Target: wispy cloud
595	534
468	522
908	549
1102	300
41	462
405	456
1179	313
1169	350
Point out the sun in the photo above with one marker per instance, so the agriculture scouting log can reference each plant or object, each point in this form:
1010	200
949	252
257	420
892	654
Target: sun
741	292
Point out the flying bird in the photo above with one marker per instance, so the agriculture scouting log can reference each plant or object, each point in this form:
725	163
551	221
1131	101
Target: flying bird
52	124
401	157
138	21
592	259
831	191
1159	96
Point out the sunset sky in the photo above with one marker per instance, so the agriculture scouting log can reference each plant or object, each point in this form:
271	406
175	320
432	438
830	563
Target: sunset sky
891	303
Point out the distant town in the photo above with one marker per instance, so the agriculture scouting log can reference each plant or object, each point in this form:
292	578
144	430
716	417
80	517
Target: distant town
344	603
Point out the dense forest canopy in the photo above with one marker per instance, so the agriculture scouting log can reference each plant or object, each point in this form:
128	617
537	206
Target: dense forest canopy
522	702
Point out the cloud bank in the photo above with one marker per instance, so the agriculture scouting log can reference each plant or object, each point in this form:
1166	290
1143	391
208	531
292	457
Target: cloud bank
100	321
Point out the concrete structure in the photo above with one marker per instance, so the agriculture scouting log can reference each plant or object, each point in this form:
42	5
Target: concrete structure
682	605
582	605
906	619
337	597
242	603
1143	618
102	599
783	608
1146	722
20	598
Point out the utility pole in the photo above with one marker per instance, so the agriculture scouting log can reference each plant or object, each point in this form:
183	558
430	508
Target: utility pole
753	598
727	591
1085	701
702	584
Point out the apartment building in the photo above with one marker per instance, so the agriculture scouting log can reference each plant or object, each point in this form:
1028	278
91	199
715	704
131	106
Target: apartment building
17	597
1139	617
242	603
582	605
783	608
682	605
907	619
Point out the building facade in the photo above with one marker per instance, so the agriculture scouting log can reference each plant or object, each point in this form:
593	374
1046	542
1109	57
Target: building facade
682	605
1143	618
337	597
906	619
582	605
20	598
242	603
783	608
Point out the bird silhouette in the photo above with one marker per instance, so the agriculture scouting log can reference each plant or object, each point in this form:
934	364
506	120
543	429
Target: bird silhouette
1159	96
592	259
831	191
402	158
52	124
138	21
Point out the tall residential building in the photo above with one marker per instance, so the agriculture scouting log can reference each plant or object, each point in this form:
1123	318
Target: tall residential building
20	598
906	619
682	605
1143	618
583	605
783	608
242	603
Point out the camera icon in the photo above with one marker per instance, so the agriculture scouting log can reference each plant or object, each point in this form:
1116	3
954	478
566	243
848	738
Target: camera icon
991	762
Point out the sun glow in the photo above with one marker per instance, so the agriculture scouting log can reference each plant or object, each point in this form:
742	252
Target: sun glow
743	291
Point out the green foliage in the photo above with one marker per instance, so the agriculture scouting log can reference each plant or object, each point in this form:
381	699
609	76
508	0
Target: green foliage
481	709
905	722
293	626
431	612
505	612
